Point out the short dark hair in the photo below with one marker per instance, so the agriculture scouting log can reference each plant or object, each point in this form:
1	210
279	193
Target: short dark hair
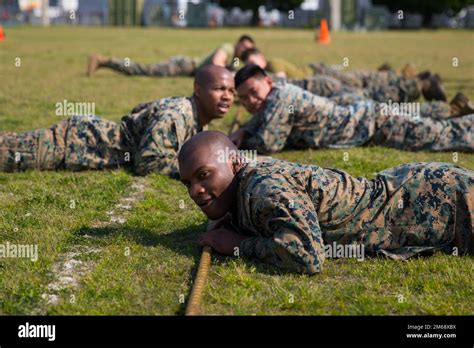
247	72
248	52
246	38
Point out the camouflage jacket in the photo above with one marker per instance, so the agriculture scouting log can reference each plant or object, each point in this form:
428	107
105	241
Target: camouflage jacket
292	212
157	130
296	118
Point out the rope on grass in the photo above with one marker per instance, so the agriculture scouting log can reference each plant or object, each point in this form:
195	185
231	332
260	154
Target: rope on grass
194	303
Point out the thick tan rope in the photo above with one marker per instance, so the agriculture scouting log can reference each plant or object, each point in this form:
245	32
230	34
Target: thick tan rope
194	303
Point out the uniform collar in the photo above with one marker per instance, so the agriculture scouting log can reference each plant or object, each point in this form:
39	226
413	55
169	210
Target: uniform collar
270	96
199	127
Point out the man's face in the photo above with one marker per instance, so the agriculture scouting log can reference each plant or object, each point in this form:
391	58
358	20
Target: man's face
208	177
242	46
217	96
253	93
257	59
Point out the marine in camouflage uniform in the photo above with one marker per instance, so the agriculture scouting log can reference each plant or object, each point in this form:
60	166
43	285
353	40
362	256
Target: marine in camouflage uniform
328	81
386	84
175	66
329	87
291	211
146	140
299	119
358	78
399	89
384	87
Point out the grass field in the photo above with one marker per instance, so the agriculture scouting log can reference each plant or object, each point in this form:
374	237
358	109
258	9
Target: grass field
100	255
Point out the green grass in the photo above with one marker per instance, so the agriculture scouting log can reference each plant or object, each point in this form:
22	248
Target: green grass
146	266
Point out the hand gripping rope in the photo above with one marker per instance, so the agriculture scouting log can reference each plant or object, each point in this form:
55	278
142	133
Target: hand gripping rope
194	304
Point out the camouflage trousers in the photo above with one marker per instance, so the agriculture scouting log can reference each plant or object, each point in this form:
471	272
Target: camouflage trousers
382	93
370	123
415	134
435	109
321	85
380	86
77	143
415	208
346	77
175	66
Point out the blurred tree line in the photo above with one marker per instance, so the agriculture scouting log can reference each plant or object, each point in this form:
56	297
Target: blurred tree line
281	5
426	8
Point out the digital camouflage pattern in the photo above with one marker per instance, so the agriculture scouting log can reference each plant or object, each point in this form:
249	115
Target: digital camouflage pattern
397	89
346	77
175	66
147	140
330	87
378	85
296	118
290	211
322	85
359	78
436	110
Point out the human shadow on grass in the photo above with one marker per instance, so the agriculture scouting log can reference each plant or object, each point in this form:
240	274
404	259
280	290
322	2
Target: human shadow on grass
183	241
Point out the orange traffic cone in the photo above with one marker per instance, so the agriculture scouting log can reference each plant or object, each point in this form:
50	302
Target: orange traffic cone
324	32
2	34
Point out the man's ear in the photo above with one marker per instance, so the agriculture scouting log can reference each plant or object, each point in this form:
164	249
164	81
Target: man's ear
269	81
235	167
237	163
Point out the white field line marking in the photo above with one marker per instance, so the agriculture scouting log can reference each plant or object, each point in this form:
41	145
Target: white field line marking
69	268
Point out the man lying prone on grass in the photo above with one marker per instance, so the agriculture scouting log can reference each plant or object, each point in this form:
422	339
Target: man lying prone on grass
284	213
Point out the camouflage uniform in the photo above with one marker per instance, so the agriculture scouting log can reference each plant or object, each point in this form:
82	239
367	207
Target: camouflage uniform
435	109
298	119
398	89
175	66
378	85
291	211
322	85
354	78
147	140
